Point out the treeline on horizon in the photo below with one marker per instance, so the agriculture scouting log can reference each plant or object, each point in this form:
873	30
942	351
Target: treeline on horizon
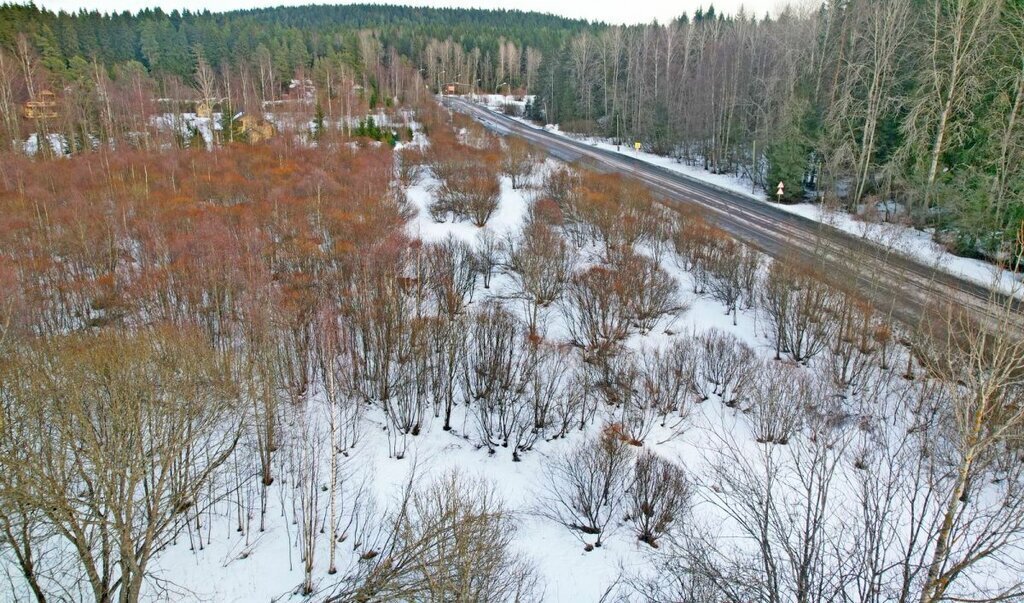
294	37
905	110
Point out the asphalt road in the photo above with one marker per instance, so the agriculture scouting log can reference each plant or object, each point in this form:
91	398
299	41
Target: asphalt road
896	284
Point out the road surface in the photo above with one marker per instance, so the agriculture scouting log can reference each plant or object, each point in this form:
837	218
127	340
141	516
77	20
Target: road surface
896	284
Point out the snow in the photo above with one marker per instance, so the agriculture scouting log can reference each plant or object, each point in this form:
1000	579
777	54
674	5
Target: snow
183	122
916	244
507	219
730	182
497	102
31	145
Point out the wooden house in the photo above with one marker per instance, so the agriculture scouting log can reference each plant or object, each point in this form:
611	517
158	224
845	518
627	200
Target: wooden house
204	109
41	106
255	128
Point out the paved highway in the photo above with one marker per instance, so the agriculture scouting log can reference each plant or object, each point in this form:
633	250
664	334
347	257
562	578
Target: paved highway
896	284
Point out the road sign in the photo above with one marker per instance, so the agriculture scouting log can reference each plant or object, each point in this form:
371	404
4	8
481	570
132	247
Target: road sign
780	190
636	145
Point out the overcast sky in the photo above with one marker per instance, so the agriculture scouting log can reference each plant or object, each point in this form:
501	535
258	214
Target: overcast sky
611	11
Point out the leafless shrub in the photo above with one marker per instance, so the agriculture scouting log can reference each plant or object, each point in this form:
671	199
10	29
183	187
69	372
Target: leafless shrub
631	390
548	389
468	185
576	406
859	337
780	396
584	486
596	312
697	243
378	321
488	254
449	541
797	305
725	366
658	497
472	194
405	408
561	185
723	269
519	160
651	292
498	367
451	274
541	262
669	376
732	270
409	166
447	341
481	198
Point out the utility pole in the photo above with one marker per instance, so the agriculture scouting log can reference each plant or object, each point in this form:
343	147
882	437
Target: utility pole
753	168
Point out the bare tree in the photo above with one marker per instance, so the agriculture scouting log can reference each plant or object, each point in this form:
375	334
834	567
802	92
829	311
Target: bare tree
119	438
981	373
961	33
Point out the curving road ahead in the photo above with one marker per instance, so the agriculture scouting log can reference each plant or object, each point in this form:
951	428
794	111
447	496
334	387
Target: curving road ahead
896	284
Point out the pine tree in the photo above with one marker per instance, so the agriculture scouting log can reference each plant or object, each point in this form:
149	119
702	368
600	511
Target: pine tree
318	122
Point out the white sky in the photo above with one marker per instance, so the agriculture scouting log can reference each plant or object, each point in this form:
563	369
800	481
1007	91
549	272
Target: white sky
611	11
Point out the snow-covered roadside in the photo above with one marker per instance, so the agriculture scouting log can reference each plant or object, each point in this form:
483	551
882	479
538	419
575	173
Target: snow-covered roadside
910	242
915	244
906	241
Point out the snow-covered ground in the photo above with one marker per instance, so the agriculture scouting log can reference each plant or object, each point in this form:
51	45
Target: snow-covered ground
498	102
238	567
916	244
220	562
907	241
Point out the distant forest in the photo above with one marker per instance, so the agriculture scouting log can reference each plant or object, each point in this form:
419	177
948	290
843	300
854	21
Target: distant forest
899	109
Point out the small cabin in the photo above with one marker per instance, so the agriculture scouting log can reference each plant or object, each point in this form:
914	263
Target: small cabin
41	106
204	109
255	128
